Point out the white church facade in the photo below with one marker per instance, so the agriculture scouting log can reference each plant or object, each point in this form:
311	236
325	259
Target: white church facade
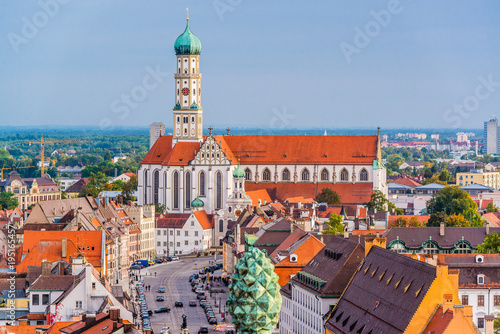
186	165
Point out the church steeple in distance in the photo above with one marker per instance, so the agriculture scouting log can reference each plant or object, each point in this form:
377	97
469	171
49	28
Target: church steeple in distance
187	112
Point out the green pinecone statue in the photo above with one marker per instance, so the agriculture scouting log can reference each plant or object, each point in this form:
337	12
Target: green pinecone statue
254	300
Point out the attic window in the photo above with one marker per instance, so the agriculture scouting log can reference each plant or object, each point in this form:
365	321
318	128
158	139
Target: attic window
407	287
418	291
339	317
353	325
397	283
366	270
346	320
389	280
480	279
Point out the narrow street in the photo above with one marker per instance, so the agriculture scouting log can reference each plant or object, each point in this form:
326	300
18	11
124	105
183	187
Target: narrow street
174	276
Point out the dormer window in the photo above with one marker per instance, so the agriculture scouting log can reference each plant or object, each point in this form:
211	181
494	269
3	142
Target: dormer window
479	258
480	279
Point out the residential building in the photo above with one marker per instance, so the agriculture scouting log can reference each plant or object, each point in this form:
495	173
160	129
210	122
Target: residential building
144	217
313	292
183	233
30	191
478	176
75	189
413	165
65	182
156	130
112	322
392	293
124	177
491	136
52	211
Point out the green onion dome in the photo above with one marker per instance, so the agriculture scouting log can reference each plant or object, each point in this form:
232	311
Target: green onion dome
187	43
239	173
197	203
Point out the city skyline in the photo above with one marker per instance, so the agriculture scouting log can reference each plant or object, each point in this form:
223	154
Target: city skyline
374	60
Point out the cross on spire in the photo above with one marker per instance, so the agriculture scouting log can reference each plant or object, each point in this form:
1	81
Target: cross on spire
210	129
228	131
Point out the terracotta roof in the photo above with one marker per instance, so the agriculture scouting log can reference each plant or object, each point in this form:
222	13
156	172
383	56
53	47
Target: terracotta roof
50	250
261	194
350	193
421	218
172	220
79	325
286	150
300	199
484	203
439	321
368	302
255	149
90	242
22	329
493	218
129	174
55	328
405	181
328	212
206	221
290	240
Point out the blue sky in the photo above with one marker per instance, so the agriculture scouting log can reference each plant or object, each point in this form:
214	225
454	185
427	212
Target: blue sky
295	64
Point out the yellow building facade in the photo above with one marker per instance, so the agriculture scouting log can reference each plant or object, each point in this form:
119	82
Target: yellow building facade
489	179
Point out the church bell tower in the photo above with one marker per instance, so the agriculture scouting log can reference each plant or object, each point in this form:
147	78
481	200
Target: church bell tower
187	112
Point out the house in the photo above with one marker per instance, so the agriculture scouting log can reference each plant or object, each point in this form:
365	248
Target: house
395	188
476	189
434	240
53	211
478	283
124	177
492	166
411	164
391	293
75	189
112	322
428	189
271	235
119	157
183	233
294	253
311	293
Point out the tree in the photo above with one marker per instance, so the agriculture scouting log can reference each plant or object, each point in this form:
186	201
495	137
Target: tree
434	179
491	244
414	222
334	225
96	184
400	222
160	208
491	207
129	188
457	220
435	219
108	156
377	201
8	201
444	175
392	207
450	200
328	196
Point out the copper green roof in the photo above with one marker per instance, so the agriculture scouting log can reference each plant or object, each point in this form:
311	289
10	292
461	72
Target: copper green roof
239	173
197	203
177	106
194	106
187	43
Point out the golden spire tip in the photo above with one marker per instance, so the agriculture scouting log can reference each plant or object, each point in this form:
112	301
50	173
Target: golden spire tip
187	14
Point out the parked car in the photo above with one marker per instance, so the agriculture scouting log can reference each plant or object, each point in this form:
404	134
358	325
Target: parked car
192	303
175	258
179	304
160	298
212	321
162	309
151	263
135	267
161	289
203	329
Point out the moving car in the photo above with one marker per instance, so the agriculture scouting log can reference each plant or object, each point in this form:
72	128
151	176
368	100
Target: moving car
160	298
179	304
161	289
203	329
175	258
192	303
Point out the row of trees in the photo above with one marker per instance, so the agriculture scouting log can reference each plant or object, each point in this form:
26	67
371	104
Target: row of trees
99	182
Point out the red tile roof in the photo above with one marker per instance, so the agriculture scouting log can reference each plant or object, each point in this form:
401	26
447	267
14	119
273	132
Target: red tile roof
439	321
350	193
172	220
206	221
261	194
50	250
22	329
255	149
405	181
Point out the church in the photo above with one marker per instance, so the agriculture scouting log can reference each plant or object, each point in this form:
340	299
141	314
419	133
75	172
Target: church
189	171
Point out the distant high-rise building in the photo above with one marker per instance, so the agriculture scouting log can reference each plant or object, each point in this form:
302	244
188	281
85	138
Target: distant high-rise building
491	138
156	130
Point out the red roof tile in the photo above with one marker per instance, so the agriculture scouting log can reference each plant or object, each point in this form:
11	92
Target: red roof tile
260	194
206	221
439	321
405	181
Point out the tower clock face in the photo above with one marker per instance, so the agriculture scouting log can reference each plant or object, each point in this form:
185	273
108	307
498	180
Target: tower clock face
185	91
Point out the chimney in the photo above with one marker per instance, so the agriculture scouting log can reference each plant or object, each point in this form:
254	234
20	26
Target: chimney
299	205
114	313
441	229
46	267
90	320
487	228
346	232
115	325
64	246
488	324
292	226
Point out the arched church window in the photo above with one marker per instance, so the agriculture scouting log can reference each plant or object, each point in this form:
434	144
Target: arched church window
344	175
187	190
221	226
363	175
305	174
285	175
156	186
202	183
325	175
218	190
146	186
194	91
176	189
266	175
165	176
248	174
